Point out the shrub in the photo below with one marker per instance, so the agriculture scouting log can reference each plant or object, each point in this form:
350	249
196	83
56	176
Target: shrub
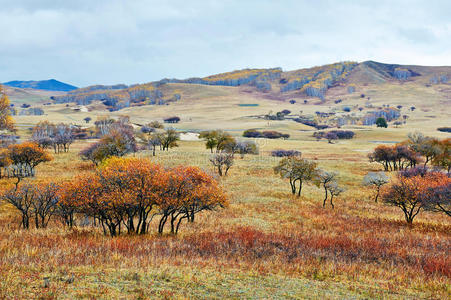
246	147
292	101
285	153
444	129
286	112
335	134
172	120
252	133
274	135
265	134
330	136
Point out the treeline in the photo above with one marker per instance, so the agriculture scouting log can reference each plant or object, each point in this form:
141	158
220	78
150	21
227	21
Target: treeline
124	195
315	82
255	77
118	97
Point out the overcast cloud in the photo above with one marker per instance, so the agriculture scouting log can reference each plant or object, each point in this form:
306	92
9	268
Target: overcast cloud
111	41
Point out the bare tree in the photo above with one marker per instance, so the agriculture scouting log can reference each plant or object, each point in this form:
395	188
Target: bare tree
222	162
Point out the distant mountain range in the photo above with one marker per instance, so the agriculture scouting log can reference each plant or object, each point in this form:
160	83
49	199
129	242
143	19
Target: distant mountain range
46	85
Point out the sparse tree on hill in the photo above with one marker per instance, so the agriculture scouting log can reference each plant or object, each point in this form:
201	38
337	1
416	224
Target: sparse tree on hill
377	180
211	139
222	162
297	170
24	158
335	190
381	122
169	138
324	179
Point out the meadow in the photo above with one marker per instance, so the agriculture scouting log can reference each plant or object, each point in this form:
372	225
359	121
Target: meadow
266	244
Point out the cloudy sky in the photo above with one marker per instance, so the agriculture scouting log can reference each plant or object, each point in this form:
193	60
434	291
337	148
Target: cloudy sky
86	42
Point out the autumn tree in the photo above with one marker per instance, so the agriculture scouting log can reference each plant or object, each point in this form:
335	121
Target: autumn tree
443	158
24	158
5	160
45	203
189	191
130	191
22	199
37	201
438	199
43	134
297	170
376	180
62	138
211	139
118	142
246	147
150	140
218	139
169	139
394	158
6	121
409	193
423	145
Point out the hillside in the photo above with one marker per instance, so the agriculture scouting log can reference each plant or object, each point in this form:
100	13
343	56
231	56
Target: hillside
47	85
318	95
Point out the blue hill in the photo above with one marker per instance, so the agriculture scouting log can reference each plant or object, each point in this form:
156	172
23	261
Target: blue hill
48	85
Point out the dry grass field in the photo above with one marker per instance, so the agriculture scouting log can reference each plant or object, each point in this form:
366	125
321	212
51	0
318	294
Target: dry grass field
267	243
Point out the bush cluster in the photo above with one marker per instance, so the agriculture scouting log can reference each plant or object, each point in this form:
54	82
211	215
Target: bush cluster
252	133
285	153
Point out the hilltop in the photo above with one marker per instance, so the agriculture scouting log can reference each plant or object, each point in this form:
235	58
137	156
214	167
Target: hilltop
47	85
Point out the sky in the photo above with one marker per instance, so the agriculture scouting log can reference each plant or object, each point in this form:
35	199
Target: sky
85	42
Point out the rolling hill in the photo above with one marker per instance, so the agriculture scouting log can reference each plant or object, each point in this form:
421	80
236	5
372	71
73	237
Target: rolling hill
365	90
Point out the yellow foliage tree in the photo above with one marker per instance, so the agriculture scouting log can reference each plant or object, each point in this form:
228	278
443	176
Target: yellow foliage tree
6	121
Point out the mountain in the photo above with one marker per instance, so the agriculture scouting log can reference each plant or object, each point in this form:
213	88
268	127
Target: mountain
47	85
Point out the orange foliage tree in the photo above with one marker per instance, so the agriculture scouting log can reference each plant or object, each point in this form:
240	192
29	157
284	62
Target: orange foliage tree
410	193
129	191
6	121
24	159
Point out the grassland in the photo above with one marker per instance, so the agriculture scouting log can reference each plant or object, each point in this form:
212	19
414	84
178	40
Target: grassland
267	244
